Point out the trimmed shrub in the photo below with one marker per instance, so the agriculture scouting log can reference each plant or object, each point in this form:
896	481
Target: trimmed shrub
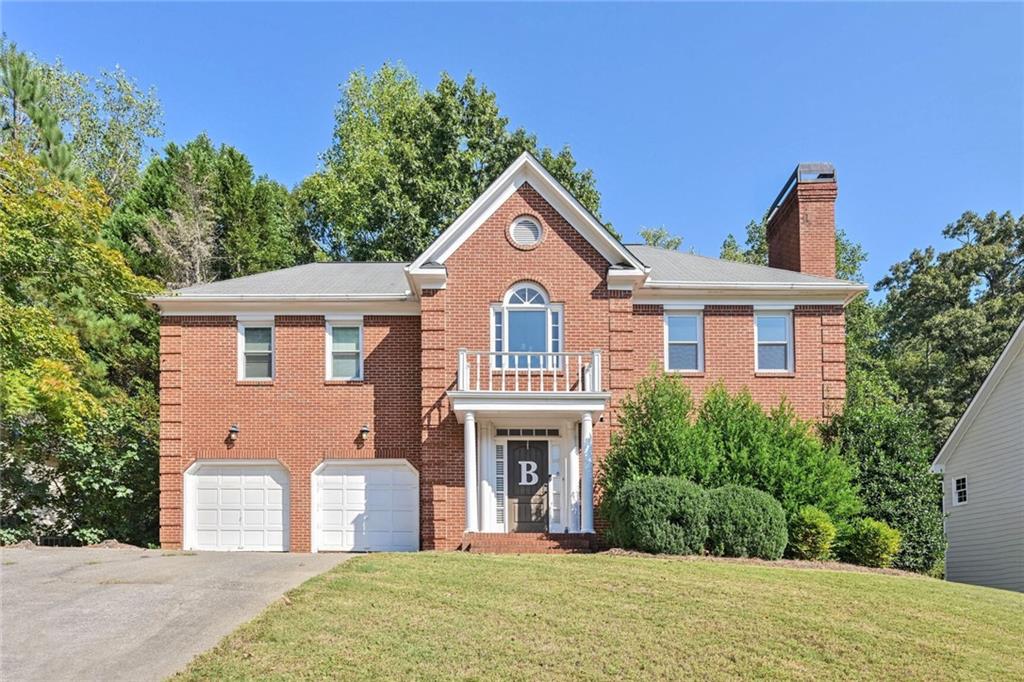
745	522
659	514
811	534
868	542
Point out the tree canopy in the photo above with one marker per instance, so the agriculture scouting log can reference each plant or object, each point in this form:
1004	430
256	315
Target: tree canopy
404	163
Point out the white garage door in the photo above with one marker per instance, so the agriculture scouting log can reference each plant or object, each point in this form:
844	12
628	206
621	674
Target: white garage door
239	508
367	506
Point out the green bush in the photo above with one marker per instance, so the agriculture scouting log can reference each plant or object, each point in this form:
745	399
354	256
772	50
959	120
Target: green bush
868	542
811	534
892	450
655	427
745	522
729	440
659	514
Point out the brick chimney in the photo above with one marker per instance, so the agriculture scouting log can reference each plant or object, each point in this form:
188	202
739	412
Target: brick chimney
801	229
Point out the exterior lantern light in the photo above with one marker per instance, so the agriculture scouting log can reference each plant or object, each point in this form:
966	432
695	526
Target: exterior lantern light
233	433
364	431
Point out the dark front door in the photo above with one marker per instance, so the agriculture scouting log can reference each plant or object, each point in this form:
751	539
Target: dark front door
528	485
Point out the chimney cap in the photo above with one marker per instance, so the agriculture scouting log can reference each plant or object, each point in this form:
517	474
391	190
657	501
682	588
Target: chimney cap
804	172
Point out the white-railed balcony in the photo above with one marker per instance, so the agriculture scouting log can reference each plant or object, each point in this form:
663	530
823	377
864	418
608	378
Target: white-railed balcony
529	372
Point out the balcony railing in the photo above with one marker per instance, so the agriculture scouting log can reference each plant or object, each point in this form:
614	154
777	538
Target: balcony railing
529	372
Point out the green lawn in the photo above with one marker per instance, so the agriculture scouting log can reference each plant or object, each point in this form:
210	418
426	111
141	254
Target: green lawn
433	615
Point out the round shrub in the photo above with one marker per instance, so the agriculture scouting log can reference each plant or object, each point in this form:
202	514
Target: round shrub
868	542
811	534
744	522
660	514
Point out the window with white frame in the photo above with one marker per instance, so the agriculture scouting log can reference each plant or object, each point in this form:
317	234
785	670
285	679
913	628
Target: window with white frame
960	491
256	349
684	342
344	349
525	328
773	341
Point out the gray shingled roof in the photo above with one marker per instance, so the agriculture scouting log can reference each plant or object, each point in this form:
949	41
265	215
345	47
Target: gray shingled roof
677	266
312	279
388	279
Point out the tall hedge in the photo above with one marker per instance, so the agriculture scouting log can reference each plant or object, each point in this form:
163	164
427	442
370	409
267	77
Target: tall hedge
730	439
892	452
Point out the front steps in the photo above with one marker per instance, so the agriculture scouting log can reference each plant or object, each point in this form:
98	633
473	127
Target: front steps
529	543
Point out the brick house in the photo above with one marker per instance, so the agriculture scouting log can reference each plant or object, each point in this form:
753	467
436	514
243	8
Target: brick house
466	399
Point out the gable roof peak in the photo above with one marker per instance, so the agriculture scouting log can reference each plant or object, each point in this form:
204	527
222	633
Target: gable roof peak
526	169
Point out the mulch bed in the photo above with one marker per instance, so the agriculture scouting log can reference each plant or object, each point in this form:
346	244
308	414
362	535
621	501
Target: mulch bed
781	563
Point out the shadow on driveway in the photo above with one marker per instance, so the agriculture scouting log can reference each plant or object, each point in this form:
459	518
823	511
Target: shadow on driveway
130	614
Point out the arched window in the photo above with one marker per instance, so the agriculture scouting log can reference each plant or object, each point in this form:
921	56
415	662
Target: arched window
524	327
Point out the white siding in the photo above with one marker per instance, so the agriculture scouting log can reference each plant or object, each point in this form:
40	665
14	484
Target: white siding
986	535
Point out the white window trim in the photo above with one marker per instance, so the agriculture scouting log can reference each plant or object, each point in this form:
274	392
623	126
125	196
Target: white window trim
779	312
332	321
700	339
548	307
244	321
967	495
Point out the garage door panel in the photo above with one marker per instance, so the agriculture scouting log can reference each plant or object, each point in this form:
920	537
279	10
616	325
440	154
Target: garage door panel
367	507
240	507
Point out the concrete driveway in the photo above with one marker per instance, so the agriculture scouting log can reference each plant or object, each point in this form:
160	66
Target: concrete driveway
126	614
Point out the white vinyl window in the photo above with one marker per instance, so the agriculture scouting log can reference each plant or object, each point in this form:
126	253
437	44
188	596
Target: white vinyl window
344	349
684	342
773	341
959	491
256	349
525	327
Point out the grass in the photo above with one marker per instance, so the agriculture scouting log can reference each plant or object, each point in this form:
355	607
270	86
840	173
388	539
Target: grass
454	615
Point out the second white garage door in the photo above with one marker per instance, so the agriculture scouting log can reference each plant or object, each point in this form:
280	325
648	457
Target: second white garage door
367	506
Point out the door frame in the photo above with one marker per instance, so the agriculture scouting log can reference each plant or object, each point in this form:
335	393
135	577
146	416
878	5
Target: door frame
314	491
188	495
565	441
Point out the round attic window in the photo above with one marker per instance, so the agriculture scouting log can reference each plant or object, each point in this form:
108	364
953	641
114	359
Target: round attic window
525	232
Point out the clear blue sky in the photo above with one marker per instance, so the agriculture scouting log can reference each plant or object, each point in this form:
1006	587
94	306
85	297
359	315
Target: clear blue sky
691	115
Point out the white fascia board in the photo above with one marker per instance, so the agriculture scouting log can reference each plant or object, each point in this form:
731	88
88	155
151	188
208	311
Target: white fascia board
179	307
489	404
737	293
1013	349
525	169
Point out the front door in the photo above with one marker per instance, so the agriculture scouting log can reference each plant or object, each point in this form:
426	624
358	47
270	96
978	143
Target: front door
528	485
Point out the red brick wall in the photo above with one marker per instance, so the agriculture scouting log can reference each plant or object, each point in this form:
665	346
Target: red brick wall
802	233
298	418
815	389
479	274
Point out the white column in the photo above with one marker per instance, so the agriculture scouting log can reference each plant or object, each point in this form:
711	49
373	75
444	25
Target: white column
573	476
587	497
472	516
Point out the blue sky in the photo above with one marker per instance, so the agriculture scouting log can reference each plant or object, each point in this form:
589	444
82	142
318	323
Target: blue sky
691	115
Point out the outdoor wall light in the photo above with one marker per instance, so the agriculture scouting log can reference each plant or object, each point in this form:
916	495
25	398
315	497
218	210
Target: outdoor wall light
233	433
365	431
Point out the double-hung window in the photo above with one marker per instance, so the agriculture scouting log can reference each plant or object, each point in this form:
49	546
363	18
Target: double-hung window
684	341
255	349
526	329
959	491
344	349
773	340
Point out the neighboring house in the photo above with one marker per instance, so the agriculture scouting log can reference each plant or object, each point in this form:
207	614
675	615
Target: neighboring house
466	399
982	467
